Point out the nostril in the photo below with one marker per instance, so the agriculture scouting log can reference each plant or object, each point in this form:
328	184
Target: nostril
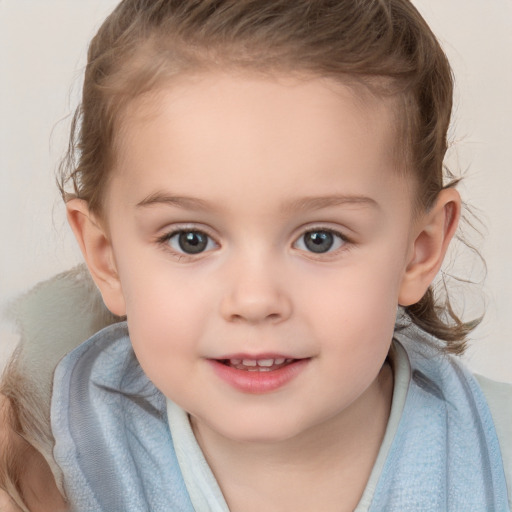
254	318
236	318
272	317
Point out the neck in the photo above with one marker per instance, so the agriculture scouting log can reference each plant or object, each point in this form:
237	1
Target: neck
280	476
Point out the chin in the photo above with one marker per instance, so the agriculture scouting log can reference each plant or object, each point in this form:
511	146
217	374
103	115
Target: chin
258	433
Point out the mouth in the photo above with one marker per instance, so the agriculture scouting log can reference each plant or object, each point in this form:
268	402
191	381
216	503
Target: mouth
257	365
259	375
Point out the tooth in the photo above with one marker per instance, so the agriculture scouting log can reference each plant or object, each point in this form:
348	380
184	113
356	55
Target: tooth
234	362
249	362
265	362
279	361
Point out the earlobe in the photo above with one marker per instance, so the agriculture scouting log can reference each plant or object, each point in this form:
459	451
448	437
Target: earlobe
97	250
430	243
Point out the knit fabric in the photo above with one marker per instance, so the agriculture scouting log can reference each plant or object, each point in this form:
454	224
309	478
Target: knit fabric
445	455
116	451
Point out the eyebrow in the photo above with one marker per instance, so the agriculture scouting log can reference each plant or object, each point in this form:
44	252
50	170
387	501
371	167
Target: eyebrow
160	198
301	204
317	203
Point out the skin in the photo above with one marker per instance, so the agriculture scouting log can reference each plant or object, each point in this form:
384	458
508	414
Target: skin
6	504
257	165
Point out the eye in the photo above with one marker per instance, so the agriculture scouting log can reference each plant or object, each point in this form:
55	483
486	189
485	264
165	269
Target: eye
320	241
190	242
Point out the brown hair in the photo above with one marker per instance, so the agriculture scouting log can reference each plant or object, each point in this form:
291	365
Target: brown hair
384	45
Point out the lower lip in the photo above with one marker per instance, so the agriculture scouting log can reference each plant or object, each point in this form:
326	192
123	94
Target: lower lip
258	382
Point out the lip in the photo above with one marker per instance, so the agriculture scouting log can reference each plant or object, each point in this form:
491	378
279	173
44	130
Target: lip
259	355
258	382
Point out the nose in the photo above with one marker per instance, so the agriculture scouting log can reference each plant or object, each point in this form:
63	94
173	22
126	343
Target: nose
255	294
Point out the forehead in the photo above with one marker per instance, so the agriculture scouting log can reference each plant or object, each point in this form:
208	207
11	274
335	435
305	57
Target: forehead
208	92
238	129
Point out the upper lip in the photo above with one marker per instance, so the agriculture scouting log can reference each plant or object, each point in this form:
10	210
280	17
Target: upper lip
256	357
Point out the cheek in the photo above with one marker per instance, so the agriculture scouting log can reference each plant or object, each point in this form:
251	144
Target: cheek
355	307
166	314
369	286
154	289
165	331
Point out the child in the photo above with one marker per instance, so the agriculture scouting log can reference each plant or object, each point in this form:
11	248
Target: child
258	189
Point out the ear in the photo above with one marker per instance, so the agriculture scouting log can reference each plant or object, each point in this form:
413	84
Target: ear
96	247
433	234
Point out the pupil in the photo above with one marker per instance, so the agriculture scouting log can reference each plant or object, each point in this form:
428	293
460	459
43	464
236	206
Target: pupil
192	242
319	241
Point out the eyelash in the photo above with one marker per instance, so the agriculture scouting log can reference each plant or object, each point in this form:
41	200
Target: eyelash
164	240
342	242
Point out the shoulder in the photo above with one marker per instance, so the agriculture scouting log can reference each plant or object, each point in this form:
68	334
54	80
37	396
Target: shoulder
52	318
112	439
499	399
58	314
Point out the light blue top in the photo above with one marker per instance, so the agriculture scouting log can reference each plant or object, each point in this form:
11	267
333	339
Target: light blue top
117	453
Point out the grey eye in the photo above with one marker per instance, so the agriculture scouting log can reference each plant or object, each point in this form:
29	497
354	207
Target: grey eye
190	242
320	241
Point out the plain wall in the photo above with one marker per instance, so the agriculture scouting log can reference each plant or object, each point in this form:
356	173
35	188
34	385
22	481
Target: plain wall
42	51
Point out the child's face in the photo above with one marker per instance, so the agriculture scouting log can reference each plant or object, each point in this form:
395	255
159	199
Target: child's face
260	220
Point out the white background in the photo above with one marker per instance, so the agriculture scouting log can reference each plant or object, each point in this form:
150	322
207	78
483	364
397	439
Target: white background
42	51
